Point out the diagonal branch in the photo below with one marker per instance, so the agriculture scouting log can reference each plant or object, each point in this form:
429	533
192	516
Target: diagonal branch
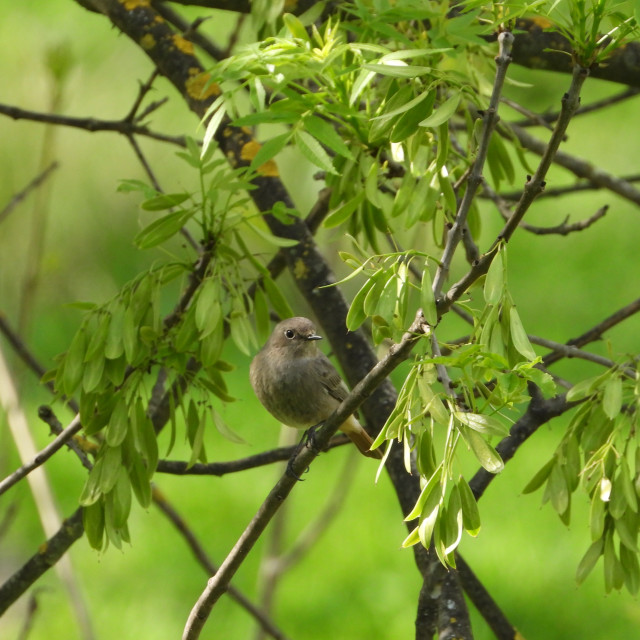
218	584
532	188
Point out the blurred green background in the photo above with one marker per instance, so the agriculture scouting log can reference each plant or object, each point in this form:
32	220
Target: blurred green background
356	582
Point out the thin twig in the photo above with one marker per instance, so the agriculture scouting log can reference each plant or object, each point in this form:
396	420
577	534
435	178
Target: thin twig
41	457
562	229
595	333
579	187
90	124
532	188
279	454
543	119
570	351
218	584
579	167
21	195
490	120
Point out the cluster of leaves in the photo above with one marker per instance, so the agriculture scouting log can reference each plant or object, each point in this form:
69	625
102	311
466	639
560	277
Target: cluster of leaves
595	28
600	453
492	372
115	359
370	107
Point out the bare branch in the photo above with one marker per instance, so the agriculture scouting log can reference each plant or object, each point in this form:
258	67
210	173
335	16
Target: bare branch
21	195
40	458
563	229
490	120
47	556
280	454
532	188
92	125
580	168
595	333
218	584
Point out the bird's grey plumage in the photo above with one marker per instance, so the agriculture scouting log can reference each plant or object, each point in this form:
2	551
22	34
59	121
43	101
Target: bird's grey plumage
297	383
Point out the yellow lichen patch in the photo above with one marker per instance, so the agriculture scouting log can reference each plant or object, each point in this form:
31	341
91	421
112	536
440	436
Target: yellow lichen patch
199	85
541	22
249	151
269	169
130	5
147	41
42	549
300	269
181	43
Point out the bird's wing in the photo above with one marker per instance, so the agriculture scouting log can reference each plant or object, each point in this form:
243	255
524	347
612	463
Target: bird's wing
331	380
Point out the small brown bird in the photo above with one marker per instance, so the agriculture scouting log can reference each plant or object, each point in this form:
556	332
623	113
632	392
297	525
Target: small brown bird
298	385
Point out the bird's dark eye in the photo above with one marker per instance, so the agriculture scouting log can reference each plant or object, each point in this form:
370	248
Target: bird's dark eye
289	333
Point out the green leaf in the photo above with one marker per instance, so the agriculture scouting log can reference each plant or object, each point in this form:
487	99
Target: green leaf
74	362
386	305
356	314
295	27
196	435
312	150
164	201
557	490
242	333
98	337
279	303
343	212
364	78
482	423
596	516
110	468
93	522
406	106
397	71
452	530
589	560
211	348
612	397
519	336
225	430
470	511
261	315
218	109
278	241
325	133
118	424
540	477
208	310
427	491
631	569
443	113
427	299
494	281
487	456
163	229
140	481
583	389
269	149
92	375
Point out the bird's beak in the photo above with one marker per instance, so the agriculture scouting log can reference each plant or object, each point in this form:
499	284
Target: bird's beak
313	336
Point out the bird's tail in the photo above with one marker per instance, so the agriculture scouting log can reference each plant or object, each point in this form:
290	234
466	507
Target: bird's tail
360	438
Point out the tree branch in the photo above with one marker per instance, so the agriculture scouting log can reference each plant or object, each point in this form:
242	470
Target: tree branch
532	188
47	555
218	584
40	458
